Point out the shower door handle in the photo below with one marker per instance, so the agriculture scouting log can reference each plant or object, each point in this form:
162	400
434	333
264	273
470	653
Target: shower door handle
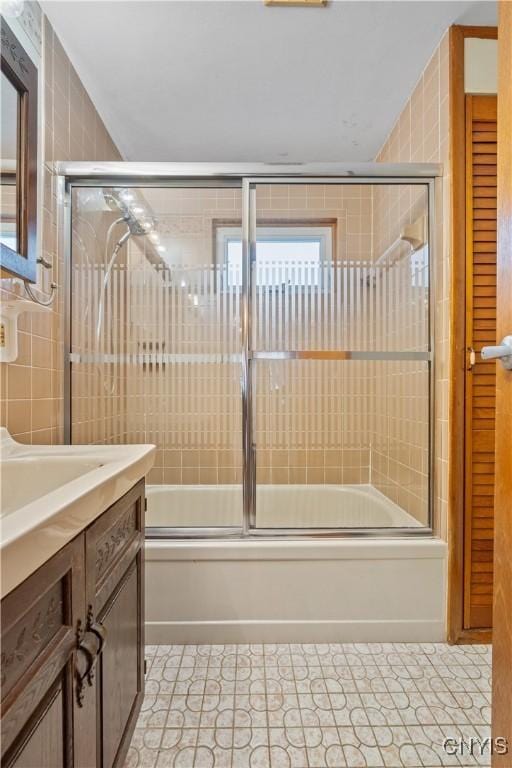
501	352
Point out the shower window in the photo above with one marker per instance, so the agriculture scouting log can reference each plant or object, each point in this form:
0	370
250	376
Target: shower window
305	247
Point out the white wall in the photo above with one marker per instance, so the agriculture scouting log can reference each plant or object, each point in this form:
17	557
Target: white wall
480	65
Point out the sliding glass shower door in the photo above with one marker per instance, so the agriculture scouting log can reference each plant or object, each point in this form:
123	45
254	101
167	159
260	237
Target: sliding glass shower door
271	336
156	345
339	354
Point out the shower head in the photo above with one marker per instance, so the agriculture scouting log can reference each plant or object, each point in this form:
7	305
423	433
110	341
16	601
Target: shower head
134	214
138	227
139	219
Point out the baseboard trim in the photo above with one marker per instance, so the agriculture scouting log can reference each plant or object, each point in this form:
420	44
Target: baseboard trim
473	637
327	631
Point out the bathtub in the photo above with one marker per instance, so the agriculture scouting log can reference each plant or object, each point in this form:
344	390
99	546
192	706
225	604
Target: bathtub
367	589
279	506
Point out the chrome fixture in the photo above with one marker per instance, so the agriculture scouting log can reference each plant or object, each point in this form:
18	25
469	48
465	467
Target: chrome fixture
47	300
139	221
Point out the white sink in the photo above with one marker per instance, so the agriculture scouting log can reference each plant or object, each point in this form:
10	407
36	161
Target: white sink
45	473
50	493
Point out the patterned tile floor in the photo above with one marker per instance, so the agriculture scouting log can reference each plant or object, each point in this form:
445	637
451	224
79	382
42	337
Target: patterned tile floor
312	706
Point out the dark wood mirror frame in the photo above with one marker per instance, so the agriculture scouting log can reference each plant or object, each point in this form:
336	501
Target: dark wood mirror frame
21	71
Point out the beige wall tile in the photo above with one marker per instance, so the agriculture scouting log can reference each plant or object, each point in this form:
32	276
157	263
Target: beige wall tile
315	475
19	417
190	475
171	475
18	382
400	464
37	375
208	475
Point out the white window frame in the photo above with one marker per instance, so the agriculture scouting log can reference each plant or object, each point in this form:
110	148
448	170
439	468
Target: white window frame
323	234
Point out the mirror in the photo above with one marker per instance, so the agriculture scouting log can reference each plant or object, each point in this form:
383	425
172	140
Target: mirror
18	159
9	147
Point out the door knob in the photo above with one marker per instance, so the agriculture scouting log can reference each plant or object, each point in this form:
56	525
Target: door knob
502	352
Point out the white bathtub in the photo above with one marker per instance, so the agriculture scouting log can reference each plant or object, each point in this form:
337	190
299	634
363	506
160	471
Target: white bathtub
299	590
278	506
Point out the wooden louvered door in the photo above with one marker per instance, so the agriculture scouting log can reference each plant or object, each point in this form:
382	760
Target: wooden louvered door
480	395
502	631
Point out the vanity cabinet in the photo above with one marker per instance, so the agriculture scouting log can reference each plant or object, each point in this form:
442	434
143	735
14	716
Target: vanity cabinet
72	634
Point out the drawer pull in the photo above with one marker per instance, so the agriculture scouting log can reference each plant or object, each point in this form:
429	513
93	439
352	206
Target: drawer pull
90	642
99	630
87	646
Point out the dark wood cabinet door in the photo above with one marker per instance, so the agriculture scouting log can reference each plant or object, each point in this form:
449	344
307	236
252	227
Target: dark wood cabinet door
44	745
41	713
114	598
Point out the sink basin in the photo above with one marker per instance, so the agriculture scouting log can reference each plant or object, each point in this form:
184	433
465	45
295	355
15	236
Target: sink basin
51	493
28	478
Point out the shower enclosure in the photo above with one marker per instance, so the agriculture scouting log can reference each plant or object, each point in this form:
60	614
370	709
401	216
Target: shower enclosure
269	328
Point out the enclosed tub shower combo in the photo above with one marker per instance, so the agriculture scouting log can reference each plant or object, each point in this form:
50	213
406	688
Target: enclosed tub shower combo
271	330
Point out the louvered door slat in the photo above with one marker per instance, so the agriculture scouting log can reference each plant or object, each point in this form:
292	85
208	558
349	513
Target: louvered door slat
481	150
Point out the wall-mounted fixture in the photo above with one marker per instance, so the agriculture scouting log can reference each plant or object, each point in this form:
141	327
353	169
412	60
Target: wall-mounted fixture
9	313
18	159
415	234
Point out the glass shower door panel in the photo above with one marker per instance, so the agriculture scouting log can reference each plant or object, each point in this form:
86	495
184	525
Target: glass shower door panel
341	444
340	344
341	267
156	346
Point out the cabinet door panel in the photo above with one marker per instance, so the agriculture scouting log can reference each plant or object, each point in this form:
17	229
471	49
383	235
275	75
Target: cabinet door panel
120	665
40	618
45	745
114	599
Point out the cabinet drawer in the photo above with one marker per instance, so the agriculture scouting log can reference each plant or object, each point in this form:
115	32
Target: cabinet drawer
112	542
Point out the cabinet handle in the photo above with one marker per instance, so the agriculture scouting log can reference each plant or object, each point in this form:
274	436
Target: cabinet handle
99	630
88	647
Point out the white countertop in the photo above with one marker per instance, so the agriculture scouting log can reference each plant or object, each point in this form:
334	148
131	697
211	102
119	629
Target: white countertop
50	493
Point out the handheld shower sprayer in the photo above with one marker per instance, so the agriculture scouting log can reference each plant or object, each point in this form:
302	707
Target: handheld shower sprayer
117	200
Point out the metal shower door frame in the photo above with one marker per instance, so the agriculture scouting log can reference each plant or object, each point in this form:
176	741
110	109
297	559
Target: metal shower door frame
248	177
250	355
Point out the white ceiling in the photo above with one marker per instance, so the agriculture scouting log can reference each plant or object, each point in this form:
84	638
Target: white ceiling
239	81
